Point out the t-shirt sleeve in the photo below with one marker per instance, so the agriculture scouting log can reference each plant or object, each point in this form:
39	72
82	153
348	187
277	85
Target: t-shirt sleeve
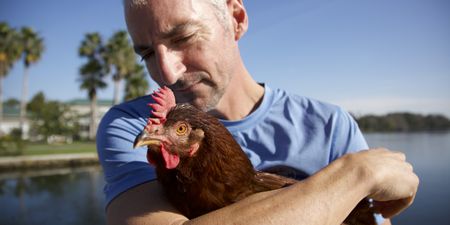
123	166
346	135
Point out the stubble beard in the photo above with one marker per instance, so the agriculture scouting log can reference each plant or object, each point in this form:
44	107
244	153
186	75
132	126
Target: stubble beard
206	100
214	100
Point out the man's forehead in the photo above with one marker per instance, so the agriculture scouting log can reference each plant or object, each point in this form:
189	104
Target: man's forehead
161	15
162	19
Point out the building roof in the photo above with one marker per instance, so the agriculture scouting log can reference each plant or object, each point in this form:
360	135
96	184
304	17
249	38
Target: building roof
14	111
79	101
11	111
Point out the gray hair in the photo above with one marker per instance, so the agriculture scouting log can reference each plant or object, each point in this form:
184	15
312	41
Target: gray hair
219	5
134	3
221	10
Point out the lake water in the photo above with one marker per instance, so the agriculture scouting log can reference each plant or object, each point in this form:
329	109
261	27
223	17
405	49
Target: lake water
74	196
63	197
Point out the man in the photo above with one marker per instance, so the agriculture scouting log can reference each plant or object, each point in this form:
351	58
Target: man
191	46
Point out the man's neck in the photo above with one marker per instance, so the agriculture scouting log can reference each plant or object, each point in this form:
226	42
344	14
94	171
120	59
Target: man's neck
242	97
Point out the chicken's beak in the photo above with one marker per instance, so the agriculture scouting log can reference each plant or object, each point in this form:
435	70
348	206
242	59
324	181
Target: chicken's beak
146	138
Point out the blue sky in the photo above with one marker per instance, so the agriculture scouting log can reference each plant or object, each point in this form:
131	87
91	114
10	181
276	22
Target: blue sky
367	56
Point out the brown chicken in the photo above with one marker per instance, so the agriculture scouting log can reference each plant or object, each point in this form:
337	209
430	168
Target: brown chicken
200	165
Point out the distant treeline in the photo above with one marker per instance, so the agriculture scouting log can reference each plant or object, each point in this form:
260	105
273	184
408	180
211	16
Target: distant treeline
403	122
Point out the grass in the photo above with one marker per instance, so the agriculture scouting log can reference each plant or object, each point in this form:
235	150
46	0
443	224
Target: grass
45	149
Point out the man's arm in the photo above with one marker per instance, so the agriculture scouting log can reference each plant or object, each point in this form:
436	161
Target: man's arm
326	197
143	204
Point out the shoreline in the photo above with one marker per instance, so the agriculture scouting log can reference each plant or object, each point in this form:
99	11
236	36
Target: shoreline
53	161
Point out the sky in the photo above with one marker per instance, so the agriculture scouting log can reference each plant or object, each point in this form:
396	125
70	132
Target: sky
370	57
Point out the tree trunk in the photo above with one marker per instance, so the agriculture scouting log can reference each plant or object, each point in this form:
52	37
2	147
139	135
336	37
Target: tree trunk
1	103
116	91
23	102
93	119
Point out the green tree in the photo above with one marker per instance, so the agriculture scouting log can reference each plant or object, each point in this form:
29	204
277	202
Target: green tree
37	103
403	122
32	49
12	102
121	59
93	73
10	50
52	117
136	83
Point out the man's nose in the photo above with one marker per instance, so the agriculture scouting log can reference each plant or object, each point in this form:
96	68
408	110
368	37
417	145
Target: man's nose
170	64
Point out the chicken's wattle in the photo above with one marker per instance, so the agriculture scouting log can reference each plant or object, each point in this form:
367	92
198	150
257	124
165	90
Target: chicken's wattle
171	160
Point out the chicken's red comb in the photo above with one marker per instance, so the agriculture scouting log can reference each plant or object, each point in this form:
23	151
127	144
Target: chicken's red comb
164	101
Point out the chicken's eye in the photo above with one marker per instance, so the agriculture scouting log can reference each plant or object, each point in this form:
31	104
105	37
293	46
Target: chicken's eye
181	129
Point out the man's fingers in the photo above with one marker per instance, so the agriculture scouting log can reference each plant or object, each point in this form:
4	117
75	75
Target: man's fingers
392	208
395	154
400	155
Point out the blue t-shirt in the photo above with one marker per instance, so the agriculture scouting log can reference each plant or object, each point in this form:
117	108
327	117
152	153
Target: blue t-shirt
289	134
296	132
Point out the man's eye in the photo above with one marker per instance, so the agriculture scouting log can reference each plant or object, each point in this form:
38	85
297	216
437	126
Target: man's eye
183	40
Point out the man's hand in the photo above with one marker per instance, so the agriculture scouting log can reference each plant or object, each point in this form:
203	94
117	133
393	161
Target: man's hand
394	184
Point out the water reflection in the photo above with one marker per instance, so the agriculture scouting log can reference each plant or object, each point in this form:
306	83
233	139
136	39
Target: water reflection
63	196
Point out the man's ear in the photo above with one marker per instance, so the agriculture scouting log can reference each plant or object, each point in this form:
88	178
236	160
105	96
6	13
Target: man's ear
239	17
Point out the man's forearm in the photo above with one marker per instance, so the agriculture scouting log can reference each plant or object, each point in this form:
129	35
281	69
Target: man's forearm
324	198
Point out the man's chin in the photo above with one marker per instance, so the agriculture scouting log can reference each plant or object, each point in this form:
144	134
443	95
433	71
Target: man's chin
202	97
203	103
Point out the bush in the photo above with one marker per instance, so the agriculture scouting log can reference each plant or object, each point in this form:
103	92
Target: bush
12	144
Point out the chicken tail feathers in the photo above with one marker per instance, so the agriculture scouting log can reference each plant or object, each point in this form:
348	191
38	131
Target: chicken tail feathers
269	181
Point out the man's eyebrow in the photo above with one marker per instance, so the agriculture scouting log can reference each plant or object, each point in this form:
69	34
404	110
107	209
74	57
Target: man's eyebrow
173	32
181	28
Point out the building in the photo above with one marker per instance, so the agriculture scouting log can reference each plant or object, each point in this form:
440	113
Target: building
83	108
80	106
11	120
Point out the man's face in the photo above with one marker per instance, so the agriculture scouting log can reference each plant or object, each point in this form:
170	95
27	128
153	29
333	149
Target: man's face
185	47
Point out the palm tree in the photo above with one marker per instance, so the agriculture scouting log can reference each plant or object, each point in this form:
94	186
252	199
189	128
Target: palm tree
10	50
92	74
136	83
119	55
32	48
